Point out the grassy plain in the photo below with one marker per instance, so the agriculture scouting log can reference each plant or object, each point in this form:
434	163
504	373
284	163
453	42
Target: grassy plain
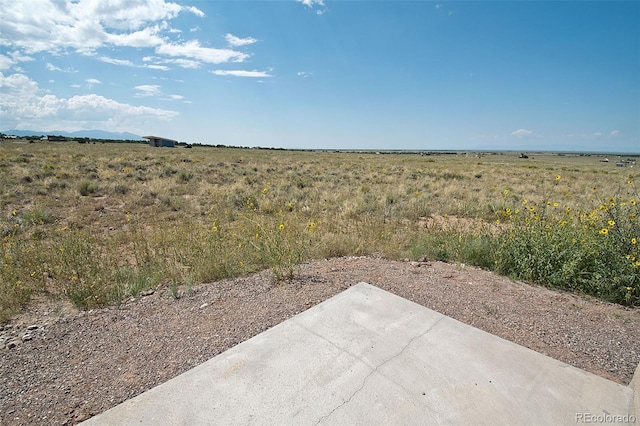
95	223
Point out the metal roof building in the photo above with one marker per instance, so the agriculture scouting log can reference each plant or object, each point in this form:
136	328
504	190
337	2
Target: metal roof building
159	142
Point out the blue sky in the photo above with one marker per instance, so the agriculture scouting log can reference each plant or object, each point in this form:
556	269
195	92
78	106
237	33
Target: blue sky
515	75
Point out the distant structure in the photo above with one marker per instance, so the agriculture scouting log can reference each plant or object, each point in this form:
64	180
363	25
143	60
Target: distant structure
159	142
54	138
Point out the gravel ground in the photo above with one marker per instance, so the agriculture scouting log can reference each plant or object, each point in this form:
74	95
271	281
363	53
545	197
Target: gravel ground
73	365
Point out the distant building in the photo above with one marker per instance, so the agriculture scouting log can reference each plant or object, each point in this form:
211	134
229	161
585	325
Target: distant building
54	138
159	142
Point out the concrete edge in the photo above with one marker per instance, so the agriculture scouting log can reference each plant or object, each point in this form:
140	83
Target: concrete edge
635	388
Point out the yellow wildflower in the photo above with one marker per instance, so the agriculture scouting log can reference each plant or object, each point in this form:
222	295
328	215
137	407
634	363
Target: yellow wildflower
557	177
604	231
611	223
632	202
281	227
634	241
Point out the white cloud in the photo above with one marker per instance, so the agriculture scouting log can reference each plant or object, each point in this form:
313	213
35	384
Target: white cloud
148	90
521	133
22	105
126	14
193	50
195	11
20	57
439	5
597	134
158	61
237	41
303	73
614	133
184	63
88	25
14	57
176	97
147	37
92	82
52	67
5	62
157	67
311	3
114	61
75	86
242	73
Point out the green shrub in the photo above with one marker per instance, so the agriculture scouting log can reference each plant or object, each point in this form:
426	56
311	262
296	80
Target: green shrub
86	187
184	176
593	252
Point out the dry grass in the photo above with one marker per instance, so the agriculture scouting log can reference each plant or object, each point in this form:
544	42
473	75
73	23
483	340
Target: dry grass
97	222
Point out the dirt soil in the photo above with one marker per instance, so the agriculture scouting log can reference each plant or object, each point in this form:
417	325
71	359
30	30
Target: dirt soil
73	365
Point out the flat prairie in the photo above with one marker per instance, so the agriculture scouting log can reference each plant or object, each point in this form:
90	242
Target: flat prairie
97	222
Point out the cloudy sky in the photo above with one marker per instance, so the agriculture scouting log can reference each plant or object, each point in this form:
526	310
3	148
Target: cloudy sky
417	74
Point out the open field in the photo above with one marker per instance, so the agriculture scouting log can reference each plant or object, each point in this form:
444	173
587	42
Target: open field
94	223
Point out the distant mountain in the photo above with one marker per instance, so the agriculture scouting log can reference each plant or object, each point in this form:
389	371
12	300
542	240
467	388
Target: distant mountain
93	134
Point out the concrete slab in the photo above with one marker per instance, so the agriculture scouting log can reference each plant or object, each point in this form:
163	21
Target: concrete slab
367	356
635	386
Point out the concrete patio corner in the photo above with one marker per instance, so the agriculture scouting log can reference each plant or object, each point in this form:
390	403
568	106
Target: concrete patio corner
367	356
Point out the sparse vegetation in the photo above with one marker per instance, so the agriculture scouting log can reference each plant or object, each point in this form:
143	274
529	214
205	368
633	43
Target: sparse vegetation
99	222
